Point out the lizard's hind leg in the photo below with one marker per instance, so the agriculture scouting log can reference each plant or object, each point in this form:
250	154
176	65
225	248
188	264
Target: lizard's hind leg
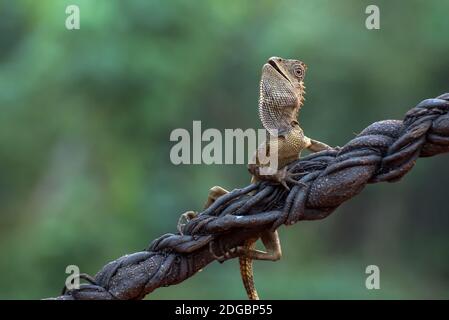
214	193
271	243
247	253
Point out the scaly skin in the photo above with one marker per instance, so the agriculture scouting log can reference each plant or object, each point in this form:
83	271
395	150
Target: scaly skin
281	97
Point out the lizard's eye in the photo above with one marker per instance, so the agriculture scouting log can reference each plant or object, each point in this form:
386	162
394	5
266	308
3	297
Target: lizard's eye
298	71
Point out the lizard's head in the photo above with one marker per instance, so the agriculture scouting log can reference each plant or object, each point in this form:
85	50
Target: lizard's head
281	94
292	70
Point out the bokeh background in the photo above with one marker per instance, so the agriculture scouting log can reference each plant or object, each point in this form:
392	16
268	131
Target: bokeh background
85	119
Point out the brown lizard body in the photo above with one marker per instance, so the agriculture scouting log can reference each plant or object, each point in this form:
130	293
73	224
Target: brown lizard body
281	97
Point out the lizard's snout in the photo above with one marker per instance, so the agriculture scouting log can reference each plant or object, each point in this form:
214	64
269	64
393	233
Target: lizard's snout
274	59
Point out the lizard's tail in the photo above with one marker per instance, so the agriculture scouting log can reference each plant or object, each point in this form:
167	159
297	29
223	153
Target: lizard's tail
246	271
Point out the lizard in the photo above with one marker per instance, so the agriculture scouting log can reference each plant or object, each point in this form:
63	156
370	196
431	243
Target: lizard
281	97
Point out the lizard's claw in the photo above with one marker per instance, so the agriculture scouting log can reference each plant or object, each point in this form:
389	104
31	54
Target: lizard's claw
337	148
184	218
284	184
212	251
284	176
227	254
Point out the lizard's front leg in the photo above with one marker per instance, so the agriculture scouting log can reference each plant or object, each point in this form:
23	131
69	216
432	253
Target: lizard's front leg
282	176
315	145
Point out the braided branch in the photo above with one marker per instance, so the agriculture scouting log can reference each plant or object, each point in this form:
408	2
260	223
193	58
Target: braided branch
384	151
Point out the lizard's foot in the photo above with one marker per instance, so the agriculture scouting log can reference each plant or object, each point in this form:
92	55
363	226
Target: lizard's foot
244	252
284	176
269	239
227	254
184	218
214	193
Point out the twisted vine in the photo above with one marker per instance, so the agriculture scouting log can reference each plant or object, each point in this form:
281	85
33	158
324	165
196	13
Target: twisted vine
383	152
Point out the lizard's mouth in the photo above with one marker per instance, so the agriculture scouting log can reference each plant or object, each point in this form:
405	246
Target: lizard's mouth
272	63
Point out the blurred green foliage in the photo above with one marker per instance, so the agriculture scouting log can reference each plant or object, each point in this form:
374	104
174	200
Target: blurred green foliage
85	175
